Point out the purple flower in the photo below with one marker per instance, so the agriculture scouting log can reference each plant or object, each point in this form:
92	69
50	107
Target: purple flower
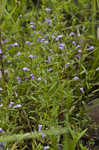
18	53
77	46
39	127
0	51
26	78
1	105
26	69
71	33
46	147
32	76
19	79
49	58
43	135
32	23
6	40
78	56
82	90
1	89
17	106
48	21
39	79
46	35
50	70
2	131
5	71
38	38
39	22
28	42
42	40
76	78
48	9
91	48
31	56
14	44
11	103
4	56
61	45
79	50
58	37
32	26
74	42
66	65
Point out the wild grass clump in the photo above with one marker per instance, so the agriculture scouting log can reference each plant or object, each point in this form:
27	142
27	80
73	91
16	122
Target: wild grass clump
49	71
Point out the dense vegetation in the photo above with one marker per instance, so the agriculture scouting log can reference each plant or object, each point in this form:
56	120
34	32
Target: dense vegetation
49	71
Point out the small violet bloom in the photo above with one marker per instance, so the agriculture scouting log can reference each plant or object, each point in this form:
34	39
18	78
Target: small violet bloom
42	40
66	65
31	56
1	89
48	9
26	78
32	76
76	78
17	106
46	35
61	45
39	127
14	44
43	135
49	58
26	69
58	37
79	51
39	79
48	21
74	42
6	40
32	26
77	46
1	105
46	147
91	48
50	70
2	131
19	53
0	51
82	90
71	33
19	79
28	42
78	56
11	103
39	22
32	23
38	38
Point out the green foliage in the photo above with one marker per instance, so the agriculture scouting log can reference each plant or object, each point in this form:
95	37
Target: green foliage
47	74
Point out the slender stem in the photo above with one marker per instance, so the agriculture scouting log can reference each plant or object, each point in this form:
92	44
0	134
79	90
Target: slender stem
1	59
93	16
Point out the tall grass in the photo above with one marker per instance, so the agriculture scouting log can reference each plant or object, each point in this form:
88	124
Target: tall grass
48	69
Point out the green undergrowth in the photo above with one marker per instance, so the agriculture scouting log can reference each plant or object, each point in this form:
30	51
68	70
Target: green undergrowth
49	71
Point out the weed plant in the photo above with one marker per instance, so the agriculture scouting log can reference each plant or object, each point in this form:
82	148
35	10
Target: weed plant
49	71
